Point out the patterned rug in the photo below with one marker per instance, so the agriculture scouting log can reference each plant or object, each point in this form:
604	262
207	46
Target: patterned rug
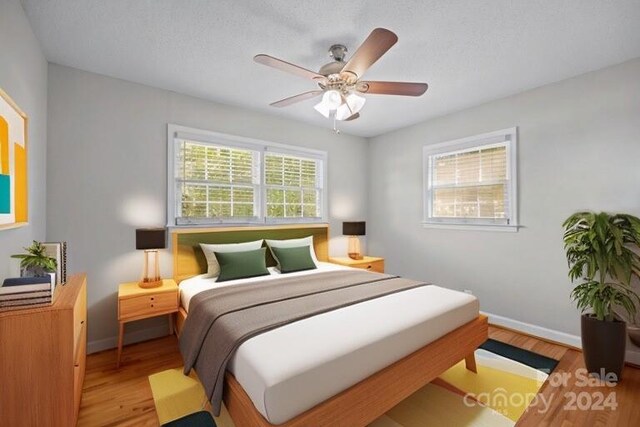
507	381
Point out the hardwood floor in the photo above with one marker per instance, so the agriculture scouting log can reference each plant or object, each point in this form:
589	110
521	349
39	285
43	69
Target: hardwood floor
122	397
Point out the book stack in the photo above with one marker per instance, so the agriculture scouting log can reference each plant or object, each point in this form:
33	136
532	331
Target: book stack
58	251
63	263
27	291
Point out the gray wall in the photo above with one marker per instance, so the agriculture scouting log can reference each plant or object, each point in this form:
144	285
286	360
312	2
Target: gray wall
107	176
579	148
23	76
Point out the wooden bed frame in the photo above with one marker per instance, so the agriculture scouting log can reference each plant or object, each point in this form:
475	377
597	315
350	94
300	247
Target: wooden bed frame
363	402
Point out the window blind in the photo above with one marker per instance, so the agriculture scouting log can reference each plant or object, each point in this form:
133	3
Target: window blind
218	179
470	184
216	182
472	181
293	186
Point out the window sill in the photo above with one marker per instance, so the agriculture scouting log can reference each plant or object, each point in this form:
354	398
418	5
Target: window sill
257	223
476	227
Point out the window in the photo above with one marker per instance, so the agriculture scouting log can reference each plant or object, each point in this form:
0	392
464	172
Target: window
216	181
216	178
292	187
471	182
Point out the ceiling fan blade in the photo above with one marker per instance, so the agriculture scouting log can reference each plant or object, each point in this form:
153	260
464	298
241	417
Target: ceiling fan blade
296	98
392	88
377	44
287	67
352	117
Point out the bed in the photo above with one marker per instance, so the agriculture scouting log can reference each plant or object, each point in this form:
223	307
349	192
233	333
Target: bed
371	360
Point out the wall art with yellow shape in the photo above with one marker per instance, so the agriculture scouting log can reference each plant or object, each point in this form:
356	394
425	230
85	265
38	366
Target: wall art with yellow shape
13	164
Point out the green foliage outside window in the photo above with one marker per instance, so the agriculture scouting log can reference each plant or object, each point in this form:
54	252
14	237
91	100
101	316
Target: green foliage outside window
218	182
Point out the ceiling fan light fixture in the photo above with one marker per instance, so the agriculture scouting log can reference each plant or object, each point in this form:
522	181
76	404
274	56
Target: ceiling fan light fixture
356	102
332	99
343	112
321	107
353	105
331	102
340	82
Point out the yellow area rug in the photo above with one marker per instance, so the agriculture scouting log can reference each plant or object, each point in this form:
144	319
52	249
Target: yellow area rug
176	395
432	405
504	387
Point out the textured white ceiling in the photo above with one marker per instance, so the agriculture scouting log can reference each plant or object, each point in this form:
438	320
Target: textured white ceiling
469	52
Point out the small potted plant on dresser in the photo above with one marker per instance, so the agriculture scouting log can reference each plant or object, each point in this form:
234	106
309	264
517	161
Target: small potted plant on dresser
602	252
36	263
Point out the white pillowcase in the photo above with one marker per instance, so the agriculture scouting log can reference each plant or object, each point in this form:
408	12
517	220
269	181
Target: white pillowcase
292	243
210	249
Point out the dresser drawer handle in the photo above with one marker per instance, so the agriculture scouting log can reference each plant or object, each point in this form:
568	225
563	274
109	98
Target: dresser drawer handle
82	322
152	298
368	267
151	305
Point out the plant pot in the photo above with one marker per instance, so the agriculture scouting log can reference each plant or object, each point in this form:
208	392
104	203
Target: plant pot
33	272
604	346
634	334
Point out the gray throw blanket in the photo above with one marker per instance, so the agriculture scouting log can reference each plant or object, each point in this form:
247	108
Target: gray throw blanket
221	319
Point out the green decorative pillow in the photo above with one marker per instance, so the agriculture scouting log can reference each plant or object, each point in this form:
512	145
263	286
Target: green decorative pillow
240	265
294	259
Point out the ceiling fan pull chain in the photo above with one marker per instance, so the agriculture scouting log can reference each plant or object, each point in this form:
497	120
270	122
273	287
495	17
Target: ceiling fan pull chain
335	125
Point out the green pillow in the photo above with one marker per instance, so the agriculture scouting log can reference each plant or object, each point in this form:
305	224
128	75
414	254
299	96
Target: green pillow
294	259
240	265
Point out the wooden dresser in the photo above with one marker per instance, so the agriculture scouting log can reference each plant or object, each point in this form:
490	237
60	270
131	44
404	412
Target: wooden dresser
42	359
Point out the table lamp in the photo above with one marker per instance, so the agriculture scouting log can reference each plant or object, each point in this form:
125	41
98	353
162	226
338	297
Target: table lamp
151	240
353	230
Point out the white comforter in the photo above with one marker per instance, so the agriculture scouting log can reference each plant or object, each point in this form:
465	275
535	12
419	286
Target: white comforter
293	368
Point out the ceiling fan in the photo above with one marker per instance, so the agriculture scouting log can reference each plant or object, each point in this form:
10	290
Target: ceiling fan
340	82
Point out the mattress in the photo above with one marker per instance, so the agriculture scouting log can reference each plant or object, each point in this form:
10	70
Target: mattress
289	370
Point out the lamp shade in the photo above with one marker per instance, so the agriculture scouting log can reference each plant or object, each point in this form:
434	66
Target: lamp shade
151	238
354	228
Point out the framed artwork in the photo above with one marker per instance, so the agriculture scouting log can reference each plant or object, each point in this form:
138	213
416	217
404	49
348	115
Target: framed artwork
14	209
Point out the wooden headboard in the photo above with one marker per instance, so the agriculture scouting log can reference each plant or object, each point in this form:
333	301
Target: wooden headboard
189	260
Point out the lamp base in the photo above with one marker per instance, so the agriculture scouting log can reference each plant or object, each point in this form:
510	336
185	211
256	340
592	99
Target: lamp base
150	284
354	248
150	280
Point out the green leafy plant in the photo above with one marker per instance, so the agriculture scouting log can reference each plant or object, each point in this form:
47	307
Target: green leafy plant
36	259
601	252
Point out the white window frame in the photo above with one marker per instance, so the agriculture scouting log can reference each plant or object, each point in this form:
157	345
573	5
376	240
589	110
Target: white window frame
508	138
177	132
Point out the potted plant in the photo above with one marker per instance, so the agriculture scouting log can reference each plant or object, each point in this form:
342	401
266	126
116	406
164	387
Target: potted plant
600	250
36	263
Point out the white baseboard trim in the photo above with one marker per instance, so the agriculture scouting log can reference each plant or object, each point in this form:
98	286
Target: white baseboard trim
535	330
130	338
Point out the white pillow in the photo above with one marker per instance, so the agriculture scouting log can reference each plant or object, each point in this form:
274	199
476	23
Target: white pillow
293	243
212	262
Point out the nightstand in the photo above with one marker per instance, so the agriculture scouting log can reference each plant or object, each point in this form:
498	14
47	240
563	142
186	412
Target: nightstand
136	303
370	263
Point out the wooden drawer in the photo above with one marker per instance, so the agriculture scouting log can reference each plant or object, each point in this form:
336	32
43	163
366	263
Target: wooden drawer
377	266
80	347
40	384
79	317
146	305
79	368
